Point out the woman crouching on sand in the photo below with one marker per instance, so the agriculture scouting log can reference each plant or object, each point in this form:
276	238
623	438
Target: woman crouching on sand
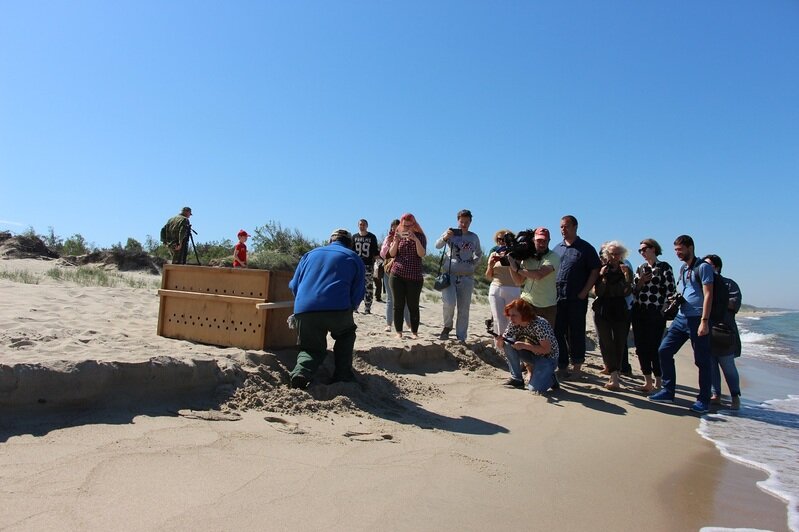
529	338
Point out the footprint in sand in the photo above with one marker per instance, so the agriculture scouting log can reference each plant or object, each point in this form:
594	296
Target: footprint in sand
367	436
22	342
278	423
209	415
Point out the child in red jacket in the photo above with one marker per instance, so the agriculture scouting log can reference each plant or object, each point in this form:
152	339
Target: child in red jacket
240	251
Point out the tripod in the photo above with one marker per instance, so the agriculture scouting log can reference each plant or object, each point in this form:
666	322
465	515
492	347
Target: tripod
184	249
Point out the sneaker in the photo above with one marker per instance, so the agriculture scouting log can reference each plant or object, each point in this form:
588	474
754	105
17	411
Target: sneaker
513	383
300	382
699	407
735	404
445	333
663	396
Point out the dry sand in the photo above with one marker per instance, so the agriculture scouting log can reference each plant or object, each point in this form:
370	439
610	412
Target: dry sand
166	434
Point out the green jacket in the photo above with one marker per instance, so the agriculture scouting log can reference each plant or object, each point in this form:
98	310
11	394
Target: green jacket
176	230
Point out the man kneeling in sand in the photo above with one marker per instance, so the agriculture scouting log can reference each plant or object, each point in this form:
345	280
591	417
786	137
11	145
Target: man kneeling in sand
328	285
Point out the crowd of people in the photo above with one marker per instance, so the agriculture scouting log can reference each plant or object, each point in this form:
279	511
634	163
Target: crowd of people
538	303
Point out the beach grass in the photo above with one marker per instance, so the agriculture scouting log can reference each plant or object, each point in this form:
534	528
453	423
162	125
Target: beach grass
88	276
20	276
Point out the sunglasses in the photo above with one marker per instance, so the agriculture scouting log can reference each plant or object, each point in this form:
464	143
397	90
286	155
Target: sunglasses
643	249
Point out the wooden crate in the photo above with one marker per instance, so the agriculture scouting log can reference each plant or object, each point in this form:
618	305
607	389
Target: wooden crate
217	306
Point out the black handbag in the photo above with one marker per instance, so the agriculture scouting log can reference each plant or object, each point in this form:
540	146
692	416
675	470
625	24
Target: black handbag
443	279
722	340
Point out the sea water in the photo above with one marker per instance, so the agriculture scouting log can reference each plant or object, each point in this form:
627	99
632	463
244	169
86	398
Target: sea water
764	433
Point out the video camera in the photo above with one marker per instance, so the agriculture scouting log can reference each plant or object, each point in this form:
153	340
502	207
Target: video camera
520	246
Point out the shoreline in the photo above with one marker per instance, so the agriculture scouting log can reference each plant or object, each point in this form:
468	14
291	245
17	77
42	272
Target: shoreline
429	428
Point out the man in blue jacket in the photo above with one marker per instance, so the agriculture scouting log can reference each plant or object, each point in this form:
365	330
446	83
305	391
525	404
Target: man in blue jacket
328	286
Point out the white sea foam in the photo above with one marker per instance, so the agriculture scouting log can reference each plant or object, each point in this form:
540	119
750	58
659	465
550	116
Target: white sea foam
765	436
748	337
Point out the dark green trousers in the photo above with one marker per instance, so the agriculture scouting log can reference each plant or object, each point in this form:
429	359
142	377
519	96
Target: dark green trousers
312	329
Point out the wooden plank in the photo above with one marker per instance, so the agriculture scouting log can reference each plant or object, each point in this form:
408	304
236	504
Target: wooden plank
275	305
211	297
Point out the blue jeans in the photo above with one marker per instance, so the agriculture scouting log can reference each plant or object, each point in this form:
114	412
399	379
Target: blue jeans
570	331
682	329
727	364
543	367
459	293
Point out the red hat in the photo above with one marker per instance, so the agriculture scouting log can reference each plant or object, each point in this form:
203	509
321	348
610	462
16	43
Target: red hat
243	233
542	233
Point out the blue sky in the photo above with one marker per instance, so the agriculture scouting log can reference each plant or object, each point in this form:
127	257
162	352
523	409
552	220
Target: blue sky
643	119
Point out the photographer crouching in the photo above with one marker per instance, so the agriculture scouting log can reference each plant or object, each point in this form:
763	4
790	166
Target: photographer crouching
529	338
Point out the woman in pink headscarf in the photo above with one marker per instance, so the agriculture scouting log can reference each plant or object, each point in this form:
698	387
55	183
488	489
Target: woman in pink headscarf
408	246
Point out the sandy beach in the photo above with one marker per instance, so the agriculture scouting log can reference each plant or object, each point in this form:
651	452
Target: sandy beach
105	425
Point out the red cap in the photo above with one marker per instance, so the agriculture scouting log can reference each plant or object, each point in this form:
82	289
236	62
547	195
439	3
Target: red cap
243	233
541	233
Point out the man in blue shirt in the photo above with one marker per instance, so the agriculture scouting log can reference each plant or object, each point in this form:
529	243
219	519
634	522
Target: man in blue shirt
328	285
692	322
577	273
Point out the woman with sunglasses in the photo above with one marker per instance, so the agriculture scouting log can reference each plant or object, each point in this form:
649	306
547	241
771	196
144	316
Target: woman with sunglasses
652	285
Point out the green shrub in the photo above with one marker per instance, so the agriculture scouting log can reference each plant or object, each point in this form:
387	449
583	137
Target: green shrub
272	260
273	237
75	245
156	248
53	241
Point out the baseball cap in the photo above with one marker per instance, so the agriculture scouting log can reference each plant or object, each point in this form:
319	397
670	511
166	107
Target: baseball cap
243	233
541	233
340	233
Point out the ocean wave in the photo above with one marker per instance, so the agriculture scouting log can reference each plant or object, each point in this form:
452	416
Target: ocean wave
749	337
766	354
766	437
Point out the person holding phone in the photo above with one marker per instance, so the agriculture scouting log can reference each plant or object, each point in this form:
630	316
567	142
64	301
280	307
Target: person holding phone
463	249
611	316
652	285
407	247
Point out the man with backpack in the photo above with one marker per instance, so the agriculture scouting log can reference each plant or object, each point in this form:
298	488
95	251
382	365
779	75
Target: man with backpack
175	235
692	322
725	340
